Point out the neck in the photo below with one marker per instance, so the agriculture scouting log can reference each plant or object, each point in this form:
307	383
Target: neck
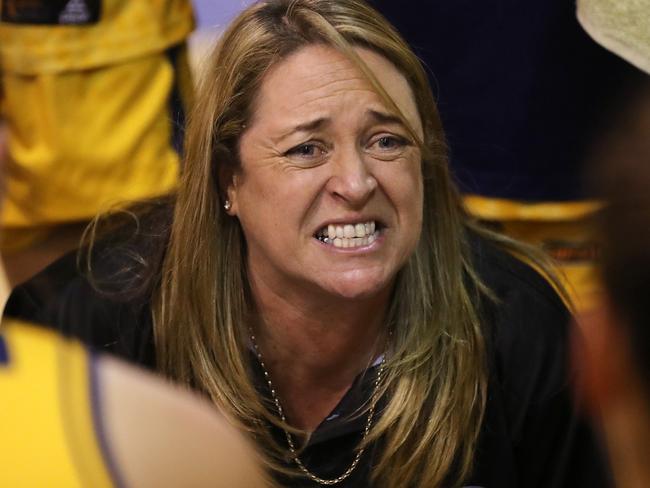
314	349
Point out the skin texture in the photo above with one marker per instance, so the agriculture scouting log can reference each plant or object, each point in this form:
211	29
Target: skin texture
162	436
322	148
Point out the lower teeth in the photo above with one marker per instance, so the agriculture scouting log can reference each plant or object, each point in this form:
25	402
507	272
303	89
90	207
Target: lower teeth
348	242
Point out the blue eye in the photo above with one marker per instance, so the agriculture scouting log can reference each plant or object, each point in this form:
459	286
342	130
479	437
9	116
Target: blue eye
388	142
309	151
388	145
305	150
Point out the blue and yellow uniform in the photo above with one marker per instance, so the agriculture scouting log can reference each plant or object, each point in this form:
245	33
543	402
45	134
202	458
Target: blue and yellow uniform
51	433
94	93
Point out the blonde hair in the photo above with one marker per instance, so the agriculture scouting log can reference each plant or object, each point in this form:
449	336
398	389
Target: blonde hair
435	386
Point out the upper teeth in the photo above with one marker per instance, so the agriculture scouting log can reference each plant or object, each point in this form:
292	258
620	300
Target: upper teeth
349	235
362	229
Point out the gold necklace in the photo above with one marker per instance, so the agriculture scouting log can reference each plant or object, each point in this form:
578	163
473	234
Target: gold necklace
292	447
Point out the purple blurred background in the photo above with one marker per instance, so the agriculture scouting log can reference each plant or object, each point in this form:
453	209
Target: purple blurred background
212	17
217	13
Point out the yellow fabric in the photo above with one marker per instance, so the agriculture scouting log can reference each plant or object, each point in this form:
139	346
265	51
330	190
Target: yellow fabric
579	273
82	141
88	111
127	29
503	209
565	230
48	436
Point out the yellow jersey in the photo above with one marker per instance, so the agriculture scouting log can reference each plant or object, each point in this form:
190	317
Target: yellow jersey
94	93
49	416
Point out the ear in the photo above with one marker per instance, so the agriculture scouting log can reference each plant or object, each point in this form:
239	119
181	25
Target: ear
229	189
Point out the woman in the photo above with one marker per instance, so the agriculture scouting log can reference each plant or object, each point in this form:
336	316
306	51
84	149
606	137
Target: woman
319	279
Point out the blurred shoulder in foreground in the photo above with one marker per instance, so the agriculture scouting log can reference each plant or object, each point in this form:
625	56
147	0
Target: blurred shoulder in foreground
73	418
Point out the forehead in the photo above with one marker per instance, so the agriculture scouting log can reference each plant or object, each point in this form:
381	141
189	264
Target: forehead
318	76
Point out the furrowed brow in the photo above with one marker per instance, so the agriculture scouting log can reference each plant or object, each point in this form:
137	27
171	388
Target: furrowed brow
384	118
310	126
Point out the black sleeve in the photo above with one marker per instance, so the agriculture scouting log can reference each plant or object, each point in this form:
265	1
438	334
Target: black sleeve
62	298
532	418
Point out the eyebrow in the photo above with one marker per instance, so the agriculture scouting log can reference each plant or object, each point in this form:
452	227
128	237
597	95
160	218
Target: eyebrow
310	126
313	125
385	118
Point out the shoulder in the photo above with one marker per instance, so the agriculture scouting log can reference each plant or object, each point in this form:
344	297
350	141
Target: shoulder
63	298
163	435
532	422
121	423
507	275
29	351
527	324
46	384
530	411
102	296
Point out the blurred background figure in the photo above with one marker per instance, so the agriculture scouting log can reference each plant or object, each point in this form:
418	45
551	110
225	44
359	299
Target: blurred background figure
94	94
617	359
524	94
615	363
72	418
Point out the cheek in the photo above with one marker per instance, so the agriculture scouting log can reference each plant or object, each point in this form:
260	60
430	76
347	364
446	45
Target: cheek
404	186
407	195
275	200
414	210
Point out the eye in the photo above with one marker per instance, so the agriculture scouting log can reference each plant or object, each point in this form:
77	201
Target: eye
388	142
387	145
308	152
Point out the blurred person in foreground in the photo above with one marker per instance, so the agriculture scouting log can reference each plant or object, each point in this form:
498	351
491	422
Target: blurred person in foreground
617	358
616	361
72	418
316	276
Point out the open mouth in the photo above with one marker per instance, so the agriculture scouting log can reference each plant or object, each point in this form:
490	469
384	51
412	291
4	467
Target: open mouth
350	235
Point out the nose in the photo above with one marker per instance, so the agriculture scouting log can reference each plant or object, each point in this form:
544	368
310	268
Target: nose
352	180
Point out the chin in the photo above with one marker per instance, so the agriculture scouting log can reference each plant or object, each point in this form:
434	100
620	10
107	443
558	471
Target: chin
359	287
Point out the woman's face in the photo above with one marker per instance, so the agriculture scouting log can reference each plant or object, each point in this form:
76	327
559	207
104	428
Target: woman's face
329	194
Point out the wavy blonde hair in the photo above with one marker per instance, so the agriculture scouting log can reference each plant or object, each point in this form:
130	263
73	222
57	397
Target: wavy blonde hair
435	386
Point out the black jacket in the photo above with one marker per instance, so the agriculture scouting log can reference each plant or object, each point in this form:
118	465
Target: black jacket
532	435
